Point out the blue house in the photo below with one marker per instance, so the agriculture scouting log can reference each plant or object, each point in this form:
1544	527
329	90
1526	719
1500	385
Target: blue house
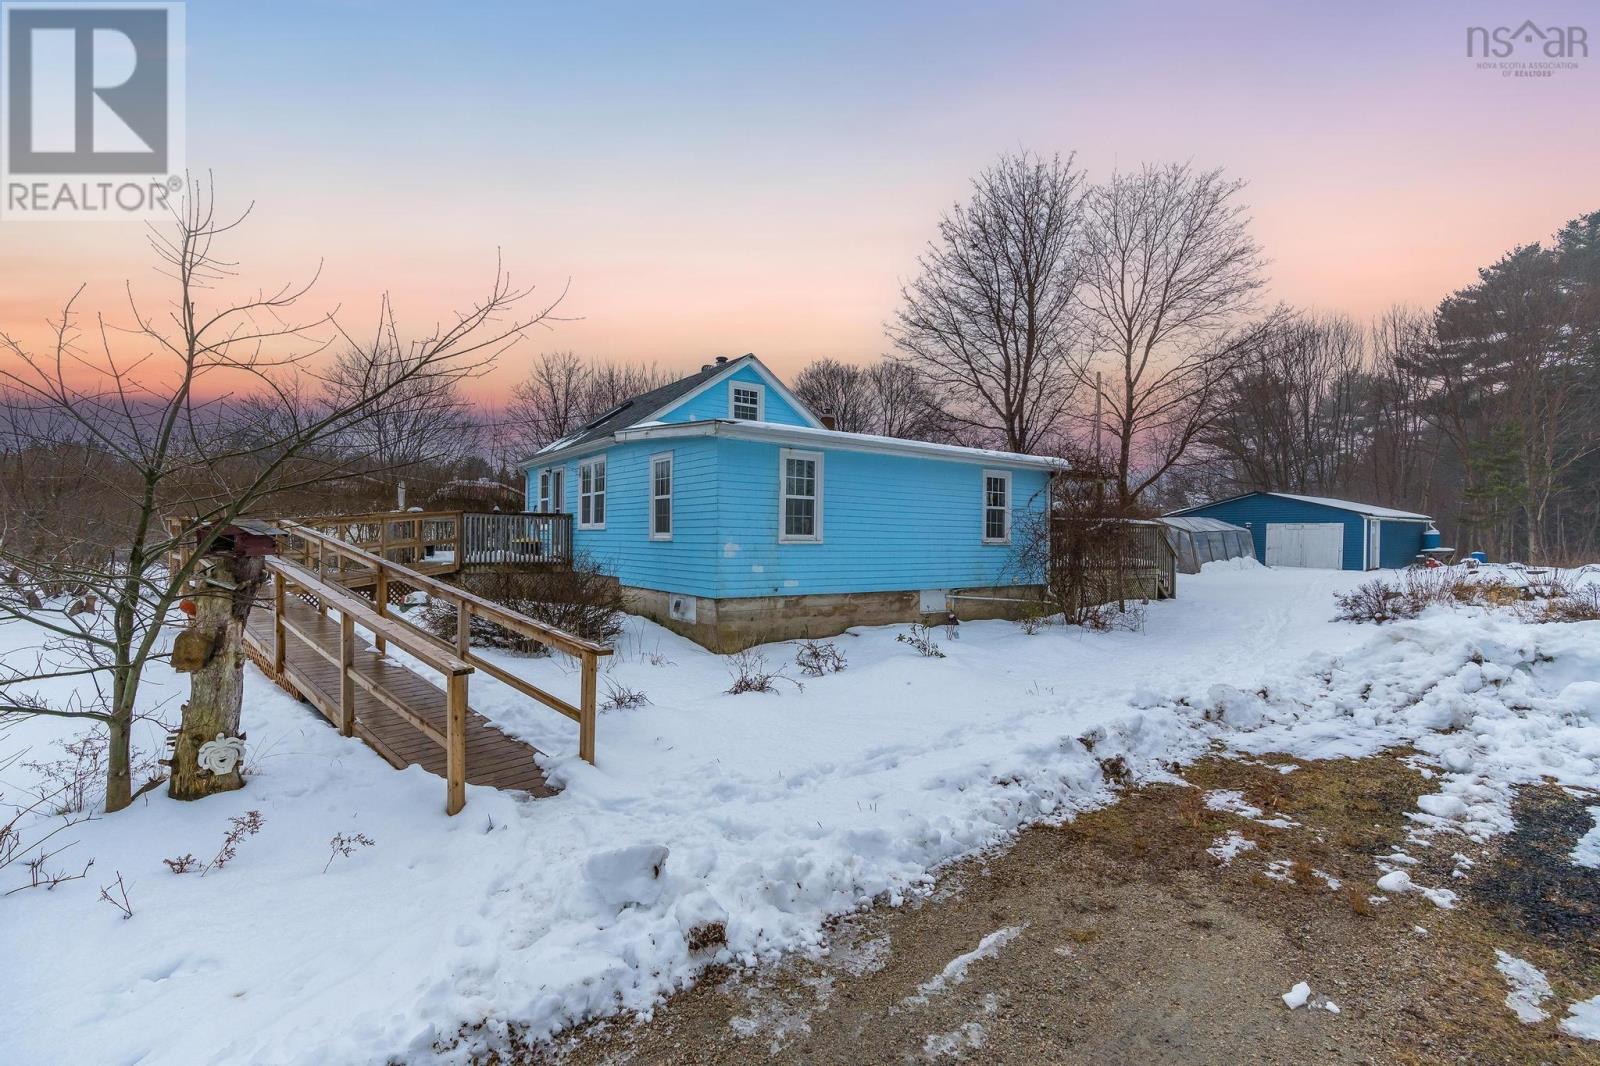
731	513
1312	531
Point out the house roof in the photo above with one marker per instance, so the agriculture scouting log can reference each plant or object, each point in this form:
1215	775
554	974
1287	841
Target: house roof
806	436
637	409
649	406
1368	509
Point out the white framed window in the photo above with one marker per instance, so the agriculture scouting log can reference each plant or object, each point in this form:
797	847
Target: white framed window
996	507
661	496
747	402
592	493
799	497
551	496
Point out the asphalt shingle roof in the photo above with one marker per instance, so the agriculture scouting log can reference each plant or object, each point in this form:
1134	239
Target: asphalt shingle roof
638	409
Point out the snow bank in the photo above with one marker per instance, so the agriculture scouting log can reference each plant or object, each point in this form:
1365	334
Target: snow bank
763	814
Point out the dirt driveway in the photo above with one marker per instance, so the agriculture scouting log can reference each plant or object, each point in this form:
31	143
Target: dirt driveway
1121	938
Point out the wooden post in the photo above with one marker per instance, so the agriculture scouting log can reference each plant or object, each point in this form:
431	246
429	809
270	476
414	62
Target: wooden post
347	674
381	595
279	649
461	541
455	748
322	608
463	630
586	709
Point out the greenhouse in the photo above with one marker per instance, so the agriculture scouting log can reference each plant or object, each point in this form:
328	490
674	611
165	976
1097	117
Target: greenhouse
1206	540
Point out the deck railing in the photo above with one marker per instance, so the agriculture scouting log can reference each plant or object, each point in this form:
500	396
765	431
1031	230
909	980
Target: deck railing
447	541
516	537
303	540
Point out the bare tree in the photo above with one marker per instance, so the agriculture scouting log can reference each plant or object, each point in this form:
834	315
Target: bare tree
841	390
1403	449
421	420
563	392
991	318
905	405
1170	270
1288	412
136	400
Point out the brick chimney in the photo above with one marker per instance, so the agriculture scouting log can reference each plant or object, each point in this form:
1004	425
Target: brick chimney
829	421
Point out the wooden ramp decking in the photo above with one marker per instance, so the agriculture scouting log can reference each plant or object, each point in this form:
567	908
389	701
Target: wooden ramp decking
311	668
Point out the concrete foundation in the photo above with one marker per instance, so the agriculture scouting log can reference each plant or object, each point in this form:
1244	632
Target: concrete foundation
731	625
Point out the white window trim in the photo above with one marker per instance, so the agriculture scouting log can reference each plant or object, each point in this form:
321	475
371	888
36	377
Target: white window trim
590	464
761	400
549	476
784	455
983	498
672	486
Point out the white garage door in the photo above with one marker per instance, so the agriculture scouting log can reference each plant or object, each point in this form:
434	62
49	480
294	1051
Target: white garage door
1314	544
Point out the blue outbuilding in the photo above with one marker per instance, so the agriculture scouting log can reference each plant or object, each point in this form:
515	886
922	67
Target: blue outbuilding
1314	531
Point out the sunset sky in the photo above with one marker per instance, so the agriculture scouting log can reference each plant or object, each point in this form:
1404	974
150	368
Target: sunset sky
760	177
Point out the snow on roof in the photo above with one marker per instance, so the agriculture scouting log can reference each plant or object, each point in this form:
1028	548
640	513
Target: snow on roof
1349	505
833	438
1196	524
1370	510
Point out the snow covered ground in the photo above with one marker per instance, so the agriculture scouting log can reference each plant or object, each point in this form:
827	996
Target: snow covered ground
775	811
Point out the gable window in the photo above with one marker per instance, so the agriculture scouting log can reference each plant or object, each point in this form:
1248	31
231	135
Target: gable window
592	493
747	402
661	496
550	486
996	507
799	497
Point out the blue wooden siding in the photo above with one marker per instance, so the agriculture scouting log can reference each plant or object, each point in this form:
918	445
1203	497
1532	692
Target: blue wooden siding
686	563
713	403
1255	512
889	522
1399	541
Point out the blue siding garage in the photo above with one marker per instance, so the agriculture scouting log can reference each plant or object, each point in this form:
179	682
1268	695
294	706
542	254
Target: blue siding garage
1313	531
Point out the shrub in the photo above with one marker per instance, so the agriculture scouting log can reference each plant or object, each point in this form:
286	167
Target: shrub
619	696
342	846
921	638
1375	601
750	674
1379	601
1105	617
816	659
1033	619
1582	605
583	600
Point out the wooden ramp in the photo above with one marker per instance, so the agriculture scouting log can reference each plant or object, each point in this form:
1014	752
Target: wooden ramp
325	631
311	668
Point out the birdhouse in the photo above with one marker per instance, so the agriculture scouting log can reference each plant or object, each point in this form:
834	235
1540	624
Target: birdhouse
243	537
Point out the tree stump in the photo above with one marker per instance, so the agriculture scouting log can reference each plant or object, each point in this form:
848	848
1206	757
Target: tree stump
211	651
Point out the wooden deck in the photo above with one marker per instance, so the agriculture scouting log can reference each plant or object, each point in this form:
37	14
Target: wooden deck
493	758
